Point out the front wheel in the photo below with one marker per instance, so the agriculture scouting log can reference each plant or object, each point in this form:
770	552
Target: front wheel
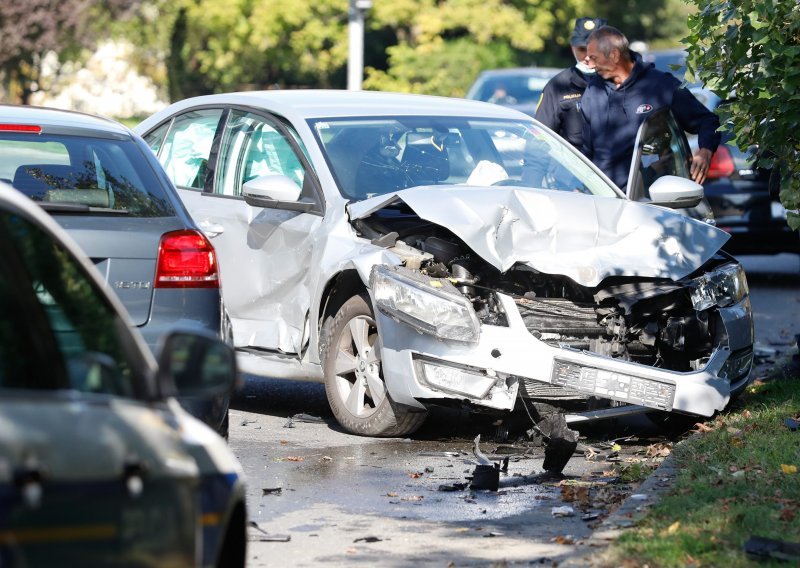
351	359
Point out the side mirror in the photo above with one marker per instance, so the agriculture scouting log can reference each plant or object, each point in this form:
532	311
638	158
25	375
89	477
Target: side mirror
265	191
676	192
197	364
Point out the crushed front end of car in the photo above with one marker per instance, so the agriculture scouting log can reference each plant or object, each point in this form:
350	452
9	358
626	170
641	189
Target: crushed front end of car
573	300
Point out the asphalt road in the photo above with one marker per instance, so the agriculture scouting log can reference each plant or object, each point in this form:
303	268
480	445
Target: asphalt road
319	496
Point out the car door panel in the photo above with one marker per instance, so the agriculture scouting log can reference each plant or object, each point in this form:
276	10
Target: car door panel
264	252
120	491
264	259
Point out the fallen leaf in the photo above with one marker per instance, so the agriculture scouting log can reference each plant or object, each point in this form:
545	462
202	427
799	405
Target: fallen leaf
414	475
703	427
788	514
747	414
788	468
392	494
412	498
673	528
564	539
616	447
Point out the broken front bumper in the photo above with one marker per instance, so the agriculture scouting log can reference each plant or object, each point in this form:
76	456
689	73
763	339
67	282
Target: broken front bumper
419	368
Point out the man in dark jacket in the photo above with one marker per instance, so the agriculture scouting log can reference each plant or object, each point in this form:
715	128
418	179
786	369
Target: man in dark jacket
559	107
622	94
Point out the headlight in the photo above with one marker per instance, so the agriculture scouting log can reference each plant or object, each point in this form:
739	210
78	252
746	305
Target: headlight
430	305
723	287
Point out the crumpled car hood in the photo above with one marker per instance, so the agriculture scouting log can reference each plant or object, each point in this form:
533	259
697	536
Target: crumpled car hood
583	237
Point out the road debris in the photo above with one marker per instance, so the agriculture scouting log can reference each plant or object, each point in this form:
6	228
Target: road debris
560	441
564	511
301	417
368	539
260	535
271	491
767	548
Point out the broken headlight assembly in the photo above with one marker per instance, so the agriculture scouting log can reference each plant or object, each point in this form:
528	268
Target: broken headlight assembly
429	305
723	287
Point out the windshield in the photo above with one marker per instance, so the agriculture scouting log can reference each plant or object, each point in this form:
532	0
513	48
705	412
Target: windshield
372	156
95	174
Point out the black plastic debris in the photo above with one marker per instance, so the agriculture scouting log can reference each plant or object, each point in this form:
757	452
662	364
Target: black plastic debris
487	473
453	487
560	442
271	491
260	535
769	549
792	424
303	418
486	477
368	539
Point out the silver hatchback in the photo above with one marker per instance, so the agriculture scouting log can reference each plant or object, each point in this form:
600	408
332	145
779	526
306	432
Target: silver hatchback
99	181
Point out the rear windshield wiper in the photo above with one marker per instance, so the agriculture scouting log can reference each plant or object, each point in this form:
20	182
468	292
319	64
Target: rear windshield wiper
80	208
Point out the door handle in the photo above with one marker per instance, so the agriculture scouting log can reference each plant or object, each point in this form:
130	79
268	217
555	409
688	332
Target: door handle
28	480
133	472
210	228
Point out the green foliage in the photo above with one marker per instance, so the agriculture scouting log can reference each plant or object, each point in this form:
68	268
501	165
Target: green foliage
441	68
750	48
737	480
424	46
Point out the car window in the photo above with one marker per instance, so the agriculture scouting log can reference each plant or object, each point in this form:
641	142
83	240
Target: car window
252	146
155	138
109	175
186	150
57	331
372	155
661	150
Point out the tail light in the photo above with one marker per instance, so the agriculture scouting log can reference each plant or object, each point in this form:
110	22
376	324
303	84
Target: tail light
186	260
721	163
24	128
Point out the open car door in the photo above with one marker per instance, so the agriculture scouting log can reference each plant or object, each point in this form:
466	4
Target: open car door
660	165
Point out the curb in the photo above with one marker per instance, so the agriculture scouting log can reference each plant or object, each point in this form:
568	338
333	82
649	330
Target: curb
637	505
632	510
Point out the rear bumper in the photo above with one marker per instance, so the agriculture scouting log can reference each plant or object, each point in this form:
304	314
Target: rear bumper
191	308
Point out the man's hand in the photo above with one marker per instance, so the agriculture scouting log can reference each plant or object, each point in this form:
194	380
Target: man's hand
700	162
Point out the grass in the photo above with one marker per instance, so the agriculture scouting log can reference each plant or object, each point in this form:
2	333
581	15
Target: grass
739	477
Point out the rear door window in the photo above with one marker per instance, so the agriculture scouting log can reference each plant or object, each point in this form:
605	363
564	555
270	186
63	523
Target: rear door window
186	150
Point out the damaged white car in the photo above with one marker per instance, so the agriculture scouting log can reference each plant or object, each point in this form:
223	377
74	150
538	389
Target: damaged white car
412	251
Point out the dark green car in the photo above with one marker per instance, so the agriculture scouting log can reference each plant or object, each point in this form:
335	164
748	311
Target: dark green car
99	465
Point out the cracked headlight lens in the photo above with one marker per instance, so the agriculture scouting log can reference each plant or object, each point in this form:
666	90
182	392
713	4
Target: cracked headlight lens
723	287
429	305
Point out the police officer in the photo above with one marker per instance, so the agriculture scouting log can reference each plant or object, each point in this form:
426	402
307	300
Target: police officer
559	106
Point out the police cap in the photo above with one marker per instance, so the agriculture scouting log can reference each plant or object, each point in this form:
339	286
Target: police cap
583	28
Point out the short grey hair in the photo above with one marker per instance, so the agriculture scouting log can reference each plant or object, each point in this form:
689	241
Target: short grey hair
609	38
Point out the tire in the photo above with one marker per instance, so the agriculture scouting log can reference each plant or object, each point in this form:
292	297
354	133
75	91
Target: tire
354	382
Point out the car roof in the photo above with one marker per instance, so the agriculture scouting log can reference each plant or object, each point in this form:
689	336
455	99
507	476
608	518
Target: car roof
317	103
60	119
513	71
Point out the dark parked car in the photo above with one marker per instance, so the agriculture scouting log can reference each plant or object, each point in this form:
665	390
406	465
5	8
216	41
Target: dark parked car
518	87
739	194
103	185
99	466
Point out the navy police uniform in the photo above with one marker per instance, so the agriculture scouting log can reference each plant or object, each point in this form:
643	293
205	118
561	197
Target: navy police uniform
559	107
560	103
